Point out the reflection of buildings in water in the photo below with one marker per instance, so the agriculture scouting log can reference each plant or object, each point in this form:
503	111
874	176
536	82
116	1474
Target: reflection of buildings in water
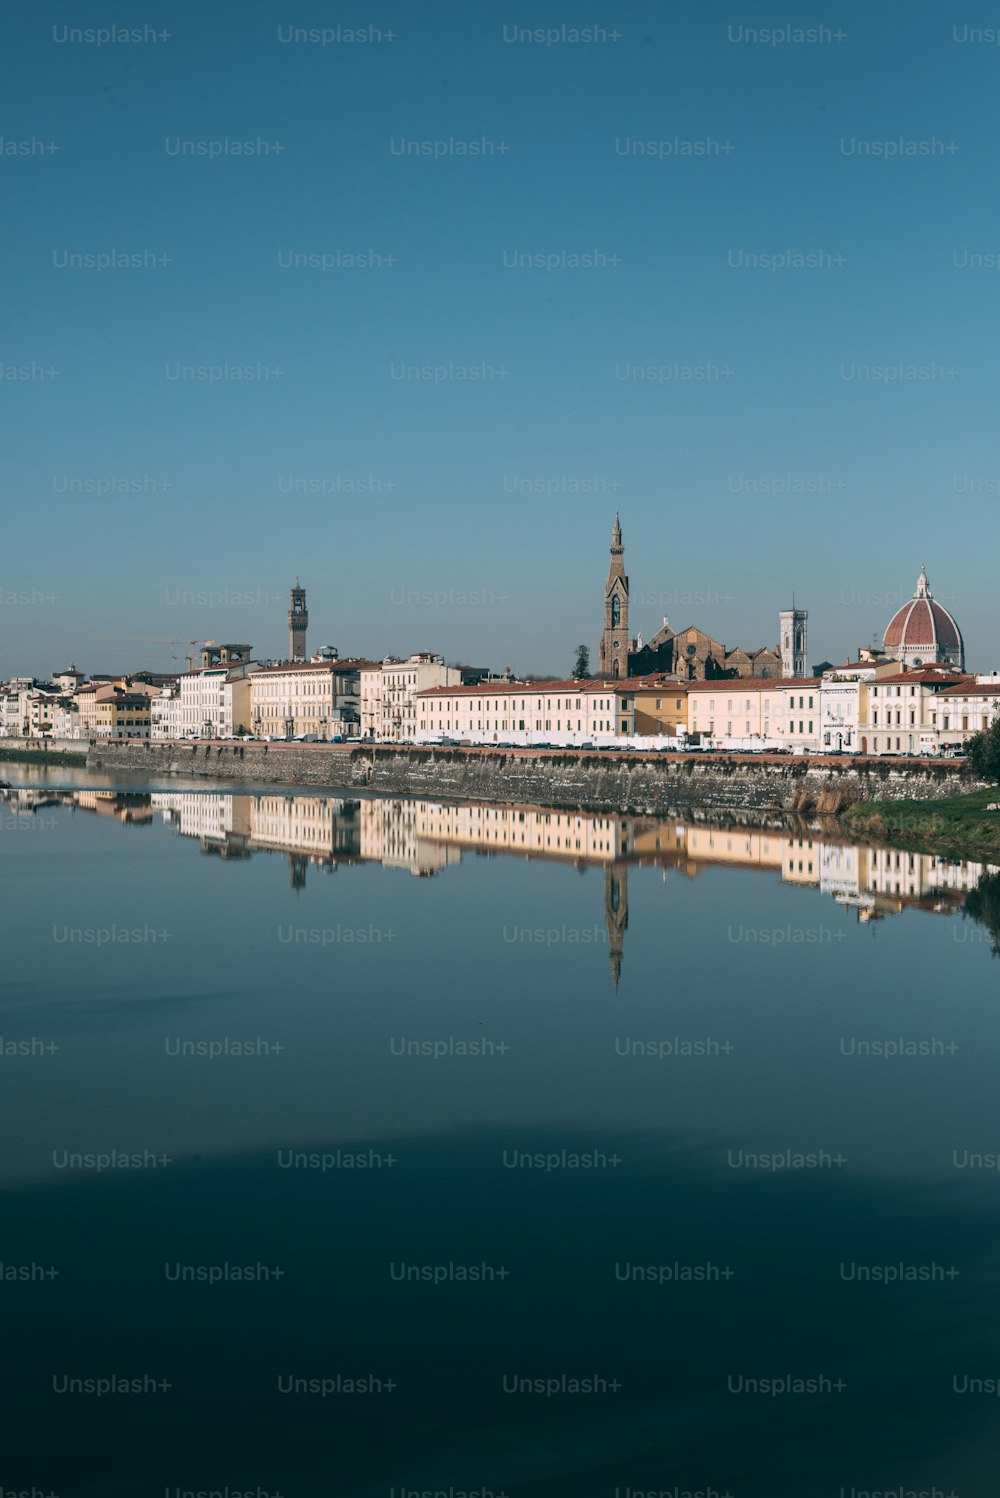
322	831
534	831
424	837
123	806
220	822
395	834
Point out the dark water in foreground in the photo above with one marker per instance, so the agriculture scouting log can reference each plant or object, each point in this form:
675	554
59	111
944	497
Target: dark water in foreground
380	1146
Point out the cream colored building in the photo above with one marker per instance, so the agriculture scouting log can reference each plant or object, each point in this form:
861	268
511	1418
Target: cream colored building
748	712
904	714
560	713
961	711
389	695
319	697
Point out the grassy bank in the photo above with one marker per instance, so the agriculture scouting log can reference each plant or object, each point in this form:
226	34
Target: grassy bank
44	756
959	827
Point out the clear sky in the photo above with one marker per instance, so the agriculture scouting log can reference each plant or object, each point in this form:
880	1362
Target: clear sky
676	149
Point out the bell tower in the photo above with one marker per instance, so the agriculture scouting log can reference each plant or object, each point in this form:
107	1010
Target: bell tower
298	621
614	640
794	625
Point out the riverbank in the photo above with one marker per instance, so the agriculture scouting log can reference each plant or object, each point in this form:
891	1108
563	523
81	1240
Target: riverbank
45	756
957	826
643	782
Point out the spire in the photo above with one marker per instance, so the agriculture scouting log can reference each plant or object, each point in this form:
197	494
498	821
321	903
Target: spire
923	586
616	534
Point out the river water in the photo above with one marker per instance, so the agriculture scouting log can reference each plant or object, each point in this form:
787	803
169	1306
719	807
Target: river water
370	1147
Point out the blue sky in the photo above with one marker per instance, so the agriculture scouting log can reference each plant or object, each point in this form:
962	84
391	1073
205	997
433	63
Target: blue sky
768	452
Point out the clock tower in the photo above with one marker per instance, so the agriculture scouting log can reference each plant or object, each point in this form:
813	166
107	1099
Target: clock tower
298	621
614	640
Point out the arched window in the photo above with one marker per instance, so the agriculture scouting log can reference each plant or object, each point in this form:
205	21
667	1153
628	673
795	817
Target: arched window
616	611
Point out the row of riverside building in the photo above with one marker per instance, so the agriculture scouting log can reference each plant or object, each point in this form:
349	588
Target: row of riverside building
912	695
231	696
870	706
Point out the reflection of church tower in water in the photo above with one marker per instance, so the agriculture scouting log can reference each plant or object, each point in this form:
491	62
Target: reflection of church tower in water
297	865
616	913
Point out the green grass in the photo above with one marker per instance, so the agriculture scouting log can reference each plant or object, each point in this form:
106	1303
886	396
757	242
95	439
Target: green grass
44	756
959	826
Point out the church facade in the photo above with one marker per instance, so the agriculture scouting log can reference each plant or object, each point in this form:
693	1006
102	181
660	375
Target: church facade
688	653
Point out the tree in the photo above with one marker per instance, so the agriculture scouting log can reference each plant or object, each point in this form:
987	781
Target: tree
983	750
581	666
982	904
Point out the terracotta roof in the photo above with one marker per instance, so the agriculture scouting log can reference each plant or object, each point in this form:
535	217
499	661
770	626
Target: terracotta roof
979	689
927	675
332	666
523	688
753	683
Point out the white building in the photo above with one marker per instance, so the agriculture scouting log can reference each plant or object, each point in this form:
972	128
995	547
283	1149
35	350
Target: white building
211	704
10	714
399	683
840	697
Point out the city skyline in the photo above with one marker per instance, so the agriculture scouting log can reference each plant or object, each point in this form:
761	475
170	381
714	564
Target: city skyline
268	607
738	324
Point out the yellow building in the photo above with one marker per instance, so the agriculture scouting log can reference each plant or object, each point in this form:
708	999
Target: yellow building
113	712
661	705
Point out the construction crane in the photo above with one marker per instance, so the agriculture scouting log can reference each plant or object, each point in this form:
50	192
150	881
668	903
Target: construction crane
157	640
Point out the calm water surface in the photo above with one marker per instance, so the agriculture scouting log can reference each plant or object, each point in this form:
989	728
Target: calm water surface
391	1147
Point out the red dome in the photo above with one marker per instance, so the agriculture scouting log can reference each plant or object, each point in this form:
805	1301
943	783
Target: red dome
923	625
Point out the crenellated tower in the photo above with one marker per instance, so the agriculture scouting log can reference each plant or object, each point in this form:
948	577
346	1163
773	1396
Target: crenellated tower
298	622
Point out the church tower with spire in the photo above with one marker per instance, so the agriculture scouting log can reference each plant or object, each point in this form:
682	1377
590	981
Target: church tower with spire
613	659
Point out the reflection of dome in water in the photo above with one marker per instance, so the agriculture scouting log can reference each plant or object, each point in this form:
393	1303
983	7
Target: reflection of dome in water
923	633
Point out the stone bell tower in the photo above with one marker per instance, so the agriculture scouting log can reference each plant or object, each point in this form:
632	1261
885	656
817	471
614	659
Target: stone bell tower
298	622
614	640
794	623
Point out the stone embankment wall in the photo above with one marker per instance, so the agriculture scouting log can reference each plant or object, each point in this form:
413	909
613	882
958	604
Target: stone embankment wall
636	782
